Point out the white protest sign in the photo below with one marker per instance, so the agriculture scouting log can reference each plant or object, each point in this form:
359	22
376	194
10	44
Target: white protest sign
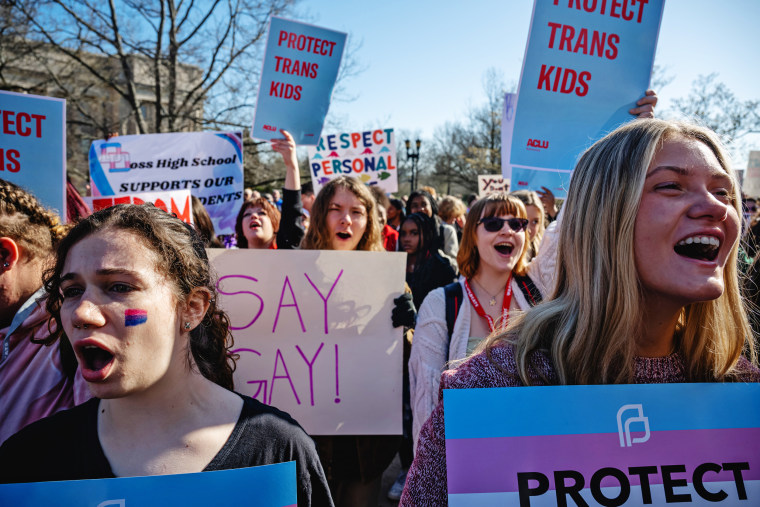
751	184
177	202
369	156
490	183
313	331
208	164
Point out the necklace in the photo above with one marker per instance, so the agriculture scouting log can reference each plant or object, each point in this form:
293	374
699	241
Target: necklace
492	301
482	313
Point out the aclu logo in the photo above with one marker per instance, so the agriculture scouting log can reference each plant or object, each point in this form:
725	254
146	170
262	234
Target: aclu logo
270	128
537	144
624	425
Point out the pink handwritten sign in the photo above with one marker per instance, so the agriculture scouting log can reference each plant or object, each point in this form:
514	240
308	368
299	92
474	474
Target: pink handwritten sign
314	335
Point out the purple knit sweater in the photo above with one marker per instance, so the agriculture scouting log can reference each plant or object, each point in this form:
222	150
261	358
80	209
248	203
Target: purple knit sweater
426	481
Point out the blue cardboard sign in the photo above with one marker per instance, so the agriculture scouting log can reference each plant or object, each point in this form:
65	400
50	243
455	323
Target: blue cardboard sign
33	146
298	76
630	445
586	64
264	486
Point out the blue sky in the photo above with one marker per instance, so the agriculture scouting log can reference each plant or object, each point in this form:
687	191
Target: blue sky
424	61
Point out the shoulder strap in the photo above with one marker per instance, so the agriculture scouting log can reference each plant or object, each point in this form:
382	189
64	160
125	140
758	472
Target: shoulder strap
454	296
529	289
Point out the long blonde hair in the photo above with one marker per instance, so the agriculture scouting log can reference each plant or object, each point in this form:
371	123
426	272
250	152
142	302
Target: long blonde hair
588	327
318	235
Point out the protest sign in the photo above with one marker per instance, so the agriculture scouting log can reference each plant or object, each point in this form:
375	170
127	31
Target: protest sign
507	125
176	202
369	156
270	485
586	64
490	183
751	183
208	164
313	331
604	445
298	75
33	146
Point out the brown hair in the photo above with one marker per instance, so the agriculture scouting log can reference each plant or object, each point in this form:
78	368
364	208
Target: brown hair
204	225
181	258
496	204
257	202
450	207
35	228
318	236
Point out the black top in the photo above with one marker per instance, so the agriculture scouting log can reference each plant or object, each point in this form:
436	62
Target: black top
291	230
65	446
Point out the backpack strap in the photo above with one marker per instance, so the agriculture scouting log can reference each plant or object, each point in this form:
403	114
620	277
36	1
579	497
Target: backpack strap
529	289
454	296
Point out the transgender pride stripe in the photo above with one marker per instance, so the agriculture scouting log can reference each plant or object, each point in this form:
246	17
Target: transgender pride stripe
492	435
134	317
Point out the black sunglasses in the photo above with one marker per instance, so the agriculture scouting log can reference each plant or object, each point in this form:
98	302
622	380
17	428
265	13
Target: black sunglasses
494	224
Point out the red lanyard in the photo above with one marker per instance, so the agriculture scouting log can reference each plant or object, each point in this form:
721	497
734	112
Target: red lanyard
504	307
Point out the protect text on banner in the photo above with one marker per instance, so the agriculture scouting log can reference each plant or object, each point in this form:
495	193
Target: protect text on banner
369	156
208	164
33	146
630	445
298	75
313	331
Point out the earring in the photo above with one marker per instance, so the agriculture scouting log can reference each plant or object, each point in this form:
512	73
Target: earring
187	325
6	265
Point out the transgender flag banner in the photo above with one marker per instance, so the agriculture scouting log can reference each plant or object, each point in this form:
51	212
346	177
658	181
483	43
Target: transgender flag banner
652	444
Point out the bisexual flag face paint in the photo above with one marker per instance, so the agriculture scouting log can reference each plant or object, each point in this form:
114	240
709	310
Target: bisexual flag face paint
135	317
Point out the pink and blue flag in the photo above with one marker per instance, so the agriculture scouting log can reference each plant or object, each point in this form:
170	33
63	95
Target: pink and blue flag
652	444
135	317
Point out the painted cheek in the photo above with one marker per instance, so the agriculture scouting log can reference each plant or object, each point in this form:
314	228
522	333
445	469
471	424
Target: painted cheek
135	317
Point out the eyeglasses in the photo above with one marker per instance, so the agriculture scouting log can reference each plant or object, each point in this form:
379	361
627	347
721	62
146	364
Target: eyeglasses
495	224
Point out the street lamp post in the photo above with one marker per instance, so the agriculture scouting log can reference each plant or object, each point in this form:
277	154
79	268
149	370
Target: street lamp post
414	156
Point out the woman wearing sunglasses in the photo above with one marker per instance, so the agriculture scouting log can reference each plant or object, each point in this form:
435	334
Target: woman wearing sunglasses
494	286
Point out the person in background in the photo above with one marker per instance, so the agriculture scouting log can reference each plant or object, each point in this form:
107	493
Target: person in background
395	213
390	235
647	286
35	381
204	225
133	294
344	217
421	201
426	269
307	196
453	212
259	224
247	194
536	219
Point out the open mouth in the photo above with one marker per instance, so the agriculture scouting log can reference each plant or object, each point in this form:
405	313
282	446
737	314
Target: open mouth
702	248
343	235
504	248
95	362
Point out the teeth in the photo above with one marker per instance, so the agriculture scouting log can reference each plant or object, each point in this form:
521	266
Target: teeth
705	240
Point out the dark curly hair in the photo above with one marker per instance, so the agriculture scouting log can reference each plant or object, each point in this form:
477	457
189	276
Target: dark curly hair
182	259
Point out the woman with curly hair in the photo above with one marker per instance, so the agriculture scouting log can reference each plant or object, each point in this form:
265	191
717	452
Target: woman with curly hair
132	292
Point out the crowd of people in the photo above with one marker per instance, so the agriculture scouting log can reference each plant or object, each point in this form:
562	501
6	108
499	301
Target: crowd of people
638	278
